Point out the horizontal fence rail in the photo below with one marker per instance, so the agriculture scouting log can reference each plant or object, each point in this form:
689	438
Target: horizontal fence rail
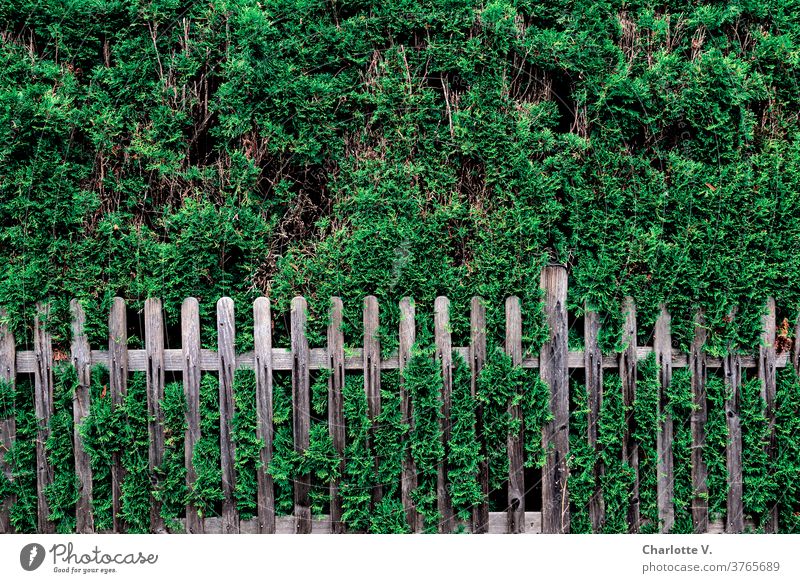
553	364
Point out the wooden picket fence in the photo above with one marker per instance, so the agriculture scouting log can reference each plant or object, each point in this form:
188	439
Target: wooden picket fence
553	362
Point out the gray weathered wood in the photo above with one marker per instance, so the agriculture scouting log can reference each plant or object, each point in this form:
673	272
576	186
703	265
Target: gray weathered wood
555	434
699	417
516	476
593	364
154	345
336	424
627	371
444	355
226	340
81	360
766	374
190	345
43	404
477	358
118	385
262	336
665	484
408	479
734	522
372	374
301	411
8	427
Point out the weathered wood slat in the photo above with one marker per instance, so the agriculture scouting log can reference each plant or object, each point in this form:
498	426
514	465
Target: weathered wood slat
226	339
43	403
699	417
795	347
734	522
555	434
8	426
190	345
118	384
627	371
477	348
154	345
262	337
665	485
444	355
336	424
593	365
372	375
516	476
81	360
408	479
766	374
301	411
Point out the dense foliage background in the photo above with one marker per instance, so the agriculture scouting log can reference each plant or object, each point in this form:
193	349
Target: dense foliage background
233	147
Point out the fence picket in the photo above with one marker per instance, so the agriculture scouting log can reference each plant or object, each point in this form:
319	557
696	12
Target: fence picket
226	338
699	417
190	344
662	345
627	371
407	337
81	360
301	411
262	342
154	345
516	476
8	424
555	434
444	355
336	424
766	373
734	522
593	365
43	399
118	384
477	347
372	374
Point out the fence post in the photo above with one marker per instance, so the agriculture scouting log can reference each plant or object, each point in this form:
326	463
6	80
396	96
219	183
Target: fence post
477	358
8	426
190	346
118	384
262	343
665	486
627	371
766	373
555	435
336	425
444	354
732	370
407	337
43	399
372	374
81	359
516	476
226	338
697	367
301	411
154	346
593	365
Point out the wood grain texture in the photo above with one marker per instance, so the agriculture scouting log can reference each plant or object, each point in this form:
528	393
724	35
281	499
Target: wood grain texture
190	345
516	476
699	417
734	521
226	340
665	483
154	345
301	411
81	360
408	479
8	426
372	375
593	365
262	342
627	371
477	359
43	404
336	423
766	374
118	385
555	434
444	355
